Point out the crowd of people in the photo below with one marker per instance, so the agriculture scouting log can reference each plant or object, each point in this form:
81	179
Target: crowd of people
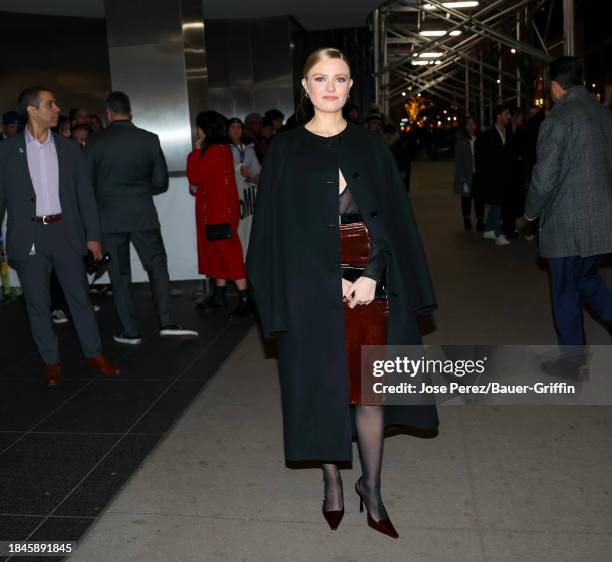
493	169
126	167
77	200
335	259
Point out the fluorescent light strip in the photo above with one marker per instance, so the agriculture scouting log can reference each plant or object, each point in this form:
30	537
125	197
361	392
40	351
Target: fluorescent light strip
452	5
431	55
439	33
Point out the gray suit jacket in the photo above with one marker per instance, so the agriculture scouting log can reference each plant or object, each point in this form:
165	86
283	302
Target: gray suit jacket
571	184
79	209
127	168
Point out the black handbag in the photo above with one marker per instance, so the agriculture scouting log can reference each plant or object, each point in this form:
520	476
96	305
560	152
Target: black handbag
220	231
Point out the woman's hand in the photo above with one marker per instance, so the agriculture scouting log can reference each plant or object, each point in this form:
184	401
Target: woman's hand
244	170
361	291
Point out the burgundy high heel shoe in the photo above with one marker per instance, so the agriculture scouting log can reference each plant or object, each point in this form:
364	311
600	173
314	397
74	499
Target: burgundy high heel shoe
383	526
333	517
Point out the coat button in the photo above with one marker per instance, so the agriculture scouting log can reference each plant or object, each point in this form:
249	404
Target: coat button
374	214
356	176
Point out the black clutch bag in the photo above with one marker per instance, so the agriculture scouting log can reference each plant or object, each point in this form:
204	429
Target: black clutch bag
220	231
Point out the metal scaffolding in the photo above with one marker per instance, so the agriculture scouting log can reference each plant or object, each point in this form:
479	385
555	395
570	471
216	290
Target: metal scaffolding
473	55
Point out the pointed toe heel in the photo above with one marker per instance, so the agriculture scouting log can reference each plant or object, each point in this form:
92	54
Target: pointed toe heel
333	517
384	526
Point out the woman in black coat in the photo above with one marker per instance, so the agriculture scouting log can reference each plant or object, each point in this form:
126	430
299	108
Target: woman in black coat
311	175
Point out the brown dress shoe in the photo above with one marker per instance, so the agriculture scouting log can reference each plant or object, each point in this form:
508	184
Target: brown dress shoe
53	374
101	364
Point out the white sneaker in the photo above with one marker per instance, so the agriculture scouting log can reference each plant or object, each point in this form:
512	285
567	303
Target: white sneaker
59	317
177	331
501	240
488	235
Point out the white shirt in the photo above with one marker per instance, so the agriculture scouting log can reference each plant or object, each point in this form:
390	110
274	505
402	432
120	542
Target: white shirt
44	172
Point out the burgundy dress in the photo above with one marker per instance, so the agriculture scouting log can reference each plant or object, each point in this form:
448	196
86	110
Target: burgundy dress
366	324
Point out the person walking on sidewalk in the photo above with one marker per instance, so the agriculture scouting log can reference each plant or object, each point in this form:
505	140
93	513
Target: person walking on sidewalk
571	193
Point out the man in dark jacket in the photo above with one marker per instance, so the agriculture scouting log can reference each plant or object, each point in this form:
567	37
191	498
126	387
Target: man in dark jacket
127	167
494	161
52	223
571	193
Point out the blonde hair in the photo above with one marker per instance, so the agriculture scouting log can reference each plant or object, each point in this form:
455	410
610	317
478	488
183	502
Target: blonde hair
319	55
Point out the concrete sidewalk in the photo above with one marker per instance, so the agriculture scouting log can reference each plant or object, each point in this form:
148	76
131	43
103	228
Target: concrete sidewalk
498	483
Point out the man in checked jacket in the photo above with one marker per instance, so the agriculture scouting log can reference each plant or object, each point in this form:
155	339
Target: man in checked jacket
571	193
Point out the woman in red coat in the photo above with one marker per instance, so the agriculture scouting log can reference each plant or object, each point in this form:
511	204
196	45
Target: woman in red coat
210	170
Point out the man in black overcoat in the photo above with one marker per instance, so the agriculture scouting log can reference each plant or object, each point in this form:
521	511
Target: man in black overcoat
494	160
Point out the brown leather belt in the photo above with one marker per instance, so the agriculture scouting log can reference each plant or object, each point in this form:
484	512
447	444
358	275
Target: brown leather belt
47	219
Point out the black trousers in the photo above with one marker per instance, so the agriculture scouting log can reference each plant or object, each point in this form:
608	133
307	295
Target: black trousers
466	206
149	246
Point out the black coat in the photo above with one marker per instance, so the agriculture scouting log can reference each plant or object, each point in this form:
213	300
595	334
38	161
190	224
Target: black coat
293	262
494	178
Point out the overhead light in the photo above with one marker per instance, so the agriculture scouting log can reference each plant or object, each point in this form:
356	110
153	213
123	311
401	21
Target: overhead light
439	33
410	87
420	62
403	93
498	81
432	55
452	5
437	62
419	95
513	51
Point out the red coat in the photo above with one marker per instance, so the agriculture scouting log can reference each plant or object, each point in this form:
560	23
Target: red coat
216	201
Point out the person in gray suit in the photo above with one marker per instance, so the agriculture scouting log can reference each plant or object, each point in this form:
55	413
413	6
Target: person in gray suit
571	193
52	223
127	167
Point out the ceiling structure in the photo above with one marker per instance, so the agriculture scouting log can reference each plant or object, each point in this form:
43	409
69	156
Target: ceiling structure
311	14
463	51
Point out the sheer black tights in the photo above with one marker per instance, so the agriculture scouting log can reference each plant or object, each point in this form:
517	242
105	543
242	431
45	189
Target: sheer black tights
370	438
